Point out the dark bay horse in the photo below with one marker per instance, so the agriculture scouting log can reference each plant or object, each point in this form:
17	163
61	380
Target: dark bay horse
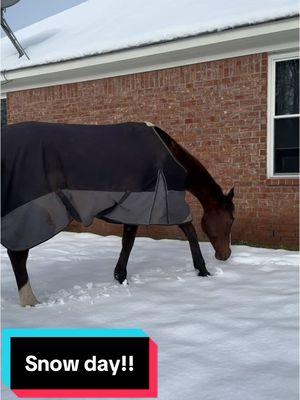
216	222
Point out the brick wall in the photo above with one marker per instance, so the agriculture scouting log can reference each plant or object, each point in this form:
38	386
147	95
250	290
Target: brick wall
217	110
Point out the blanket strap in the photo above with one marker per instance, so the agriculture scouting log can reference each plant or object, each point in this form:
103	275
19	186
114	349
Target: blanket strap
69	206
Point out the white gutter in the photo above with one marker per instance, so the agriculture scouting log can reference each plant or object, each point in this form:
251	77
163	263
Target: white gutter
281	35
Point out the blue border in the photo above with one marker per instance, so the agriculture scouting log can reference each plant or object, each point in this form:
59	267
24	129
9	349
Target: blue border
7	334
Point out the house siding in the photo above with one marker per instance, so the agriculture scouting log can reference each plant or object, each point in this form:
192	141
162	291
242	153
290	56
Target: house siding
217	110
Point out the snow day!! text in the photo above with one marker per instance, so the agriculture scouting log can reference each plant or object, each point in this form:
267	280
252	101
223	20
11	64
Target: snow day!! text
91	364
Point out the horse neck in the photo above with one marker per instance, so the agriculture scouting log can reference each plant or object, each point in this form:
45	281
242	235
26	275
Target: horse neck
201	184
199	181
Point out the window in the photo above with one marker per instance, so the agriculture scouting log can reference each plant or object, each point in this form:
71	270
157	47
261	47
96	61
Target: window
283	151
3	113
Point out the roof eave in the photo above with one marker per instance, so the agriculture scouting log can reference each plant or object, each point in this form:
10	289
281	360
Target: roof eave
276	35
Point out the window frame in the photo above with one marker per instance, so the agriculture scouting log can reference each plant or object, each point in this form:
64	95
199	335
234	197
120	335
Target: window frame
273	59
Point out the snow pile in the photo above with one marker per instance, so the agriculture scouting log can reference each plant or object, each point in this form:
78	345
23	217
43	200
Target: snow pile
96	27
231	336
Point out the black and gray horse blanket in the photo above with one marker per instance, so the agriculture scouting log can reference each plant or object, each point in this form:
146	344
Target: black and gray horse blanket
55	173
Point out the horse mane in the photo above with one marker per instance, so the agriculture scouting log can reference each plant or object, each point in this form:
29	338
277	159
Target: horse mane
199	179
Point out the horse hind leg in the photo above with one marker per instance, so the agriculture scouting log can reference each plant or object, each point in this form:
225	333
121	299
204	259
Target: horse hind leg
129	234
18	261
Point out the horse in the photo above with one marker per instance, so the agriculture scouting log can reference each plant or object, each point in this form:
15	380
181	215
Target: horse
216	222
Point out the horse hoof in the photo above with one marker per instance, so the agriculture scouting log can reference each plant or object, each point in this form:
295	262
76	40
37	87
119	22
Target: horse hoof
121	279
204	273
30	304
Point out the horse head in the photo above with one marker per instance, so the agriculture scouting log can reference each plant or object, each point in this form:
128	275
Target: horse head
217	222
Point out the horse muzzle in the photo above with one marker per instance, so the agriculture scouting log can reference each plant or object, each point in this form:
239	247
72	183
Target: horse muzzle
223	256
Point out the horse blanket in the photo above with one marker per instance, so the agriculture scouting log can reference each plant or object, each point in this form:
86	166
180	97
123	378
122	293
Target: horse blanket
55	173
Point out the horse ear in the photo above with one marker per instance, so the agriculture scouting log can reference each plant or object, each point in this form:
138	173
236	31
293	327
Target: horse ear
230	194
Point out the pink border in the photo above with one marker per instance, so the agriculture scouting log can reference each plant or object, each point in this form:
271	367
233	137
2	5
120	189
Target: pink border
102	393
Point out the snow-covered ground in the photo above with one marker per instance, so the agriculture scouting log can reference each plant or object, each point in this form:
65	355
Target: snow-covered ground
231	336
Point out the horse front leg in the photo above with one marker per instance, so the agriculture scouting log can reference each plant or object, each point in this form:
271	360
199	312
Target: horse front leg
198	260
129	234
18	261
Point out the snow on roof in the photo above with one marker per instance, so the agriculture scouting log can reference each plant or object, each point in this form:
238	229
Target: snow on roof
96	27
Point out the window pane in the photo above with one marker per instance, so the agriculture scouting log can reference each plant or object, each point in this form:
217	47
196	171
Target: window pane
3	112
286	145
287	87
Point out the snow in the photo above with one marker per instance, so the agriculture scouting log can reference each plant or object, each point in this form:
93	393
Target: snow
96	27
231	336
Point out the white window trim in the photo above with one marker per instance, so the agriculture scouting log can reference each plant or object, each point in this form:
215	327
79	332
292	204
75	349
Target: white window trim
271	114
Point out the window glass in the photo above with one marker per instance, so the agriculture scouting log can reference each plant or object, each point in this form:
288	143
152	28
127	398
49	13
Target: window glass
3	112
286	145
287	87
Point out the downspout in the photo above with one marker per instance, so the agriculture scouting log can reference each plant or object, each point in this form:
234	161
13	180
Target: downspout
4	79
